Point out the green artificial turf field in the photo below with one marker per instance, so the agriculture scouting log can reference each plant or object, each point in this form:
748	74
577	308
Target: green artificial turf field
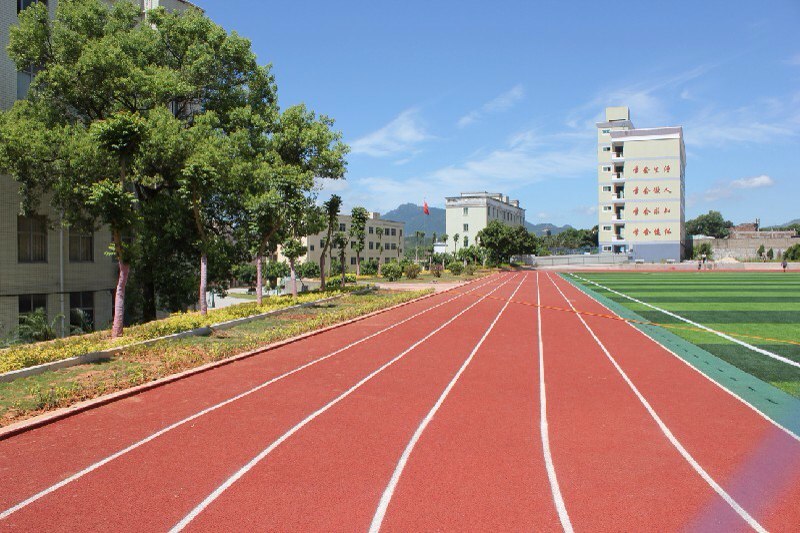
761	309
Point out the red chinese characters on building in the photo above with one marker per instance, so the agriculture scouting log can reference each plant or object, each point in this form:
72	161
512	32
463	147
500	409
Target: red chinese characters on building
655	170
666	169
646	191
636	169
655	231
646	211
636	232
635	210
646	170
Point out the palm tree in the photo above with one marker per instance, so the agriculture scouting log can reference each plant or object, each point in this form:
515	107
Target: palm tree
379	233
455	242
418	235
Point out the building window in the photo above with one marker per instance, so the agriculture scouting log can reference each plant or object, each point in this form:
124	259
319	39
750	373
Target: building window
606	208
606	131
394	232
606	148
606	248
23	4
352	260
81	310
371	245
606	228
606	188
394	246
606	169
310	247
466	242
466	211
371	230
401	232
31	239
466	227
81	247
28	303
386	259
342	227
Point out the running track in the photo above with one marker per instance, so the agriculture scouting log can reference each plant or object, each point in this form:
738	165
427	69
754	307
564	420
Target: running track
491	407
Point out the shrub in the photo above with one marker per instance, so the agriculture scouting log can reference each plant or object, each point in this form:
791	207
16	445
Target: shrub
369	268
455	268
704	248
309	269
436	270
336	281
392	271
469	270
792	253
760	251
770	254
412	271
275	270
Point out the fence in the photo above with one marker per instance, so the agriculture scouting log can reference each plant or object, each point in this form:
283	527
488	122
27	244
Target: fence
577	259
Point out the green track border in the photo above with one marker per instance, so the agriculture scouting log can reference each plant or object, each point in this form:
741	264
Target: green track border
775	404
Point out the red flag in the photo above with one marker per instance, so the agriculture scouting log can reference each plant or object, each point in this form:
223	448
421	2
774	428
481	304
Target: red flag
425	208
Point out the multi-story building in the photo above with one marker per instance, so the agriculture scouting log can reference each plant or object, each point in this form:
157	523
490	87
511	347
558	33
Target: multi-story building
391	240
640	183
467	214
42	263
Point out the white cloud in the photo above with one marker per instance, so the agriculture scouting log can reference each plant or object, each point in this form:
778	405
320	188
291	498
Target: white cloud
543	216
501	103
765	121
400	136
728	189
794	60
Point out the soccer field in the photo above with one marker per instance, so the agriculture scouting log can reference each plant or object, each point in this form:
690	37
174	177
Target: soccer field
759	309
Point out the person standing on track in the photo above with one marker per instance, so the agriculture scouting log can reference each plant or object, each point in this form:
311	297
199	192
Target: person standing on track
784	264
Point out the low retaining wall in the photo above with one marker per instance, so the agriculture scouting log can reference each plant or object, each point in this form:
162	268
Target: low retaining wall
748	248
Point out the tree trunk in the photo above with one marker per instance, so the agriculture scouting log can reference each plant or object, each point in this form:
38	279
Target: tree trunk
119	300
292	278
259	281
322	270
341	260
203	283
358	264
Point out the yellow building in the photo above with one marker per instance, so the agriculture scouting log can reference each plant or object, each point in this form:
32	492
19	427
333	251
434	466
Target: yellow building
391	240
469	213
43	264
640	185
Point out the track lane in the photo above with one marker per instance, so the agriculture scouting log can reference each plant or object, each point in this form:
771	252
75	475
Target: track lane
330	474
755	461
616	469
72	443
478	464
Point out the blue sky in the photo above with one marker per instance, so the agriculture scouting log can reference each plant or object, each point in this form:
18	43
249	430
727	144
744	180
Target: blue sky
438	97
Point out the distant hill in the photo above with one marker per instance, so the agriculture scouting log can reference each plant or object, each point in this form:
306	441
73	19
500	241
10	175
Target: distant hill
792	223
416	220
539	229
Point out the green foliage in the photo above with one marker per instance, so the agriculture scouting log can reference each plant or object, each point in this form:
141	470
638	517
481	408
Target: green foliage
245	274
309	269
569	240
704	248
369	268
792	253
711	224
392	271
336	282
34	327
470	269
770	254
292	248
760	251
358	225
455	268
436	270
501	241
412	271
276	269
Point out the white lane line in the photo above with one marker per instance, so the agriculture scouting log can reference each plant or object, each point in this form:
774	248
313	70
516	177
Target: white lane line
558	499
255	460
98	464
664	429
383	505
701	326
700	372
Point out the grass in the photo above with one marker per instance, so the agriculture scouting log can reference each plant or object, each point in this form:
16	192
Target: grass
759	308
27	397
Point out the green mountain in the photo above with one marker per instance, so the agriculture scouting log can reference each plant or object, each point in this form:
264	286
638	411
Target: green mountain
416	220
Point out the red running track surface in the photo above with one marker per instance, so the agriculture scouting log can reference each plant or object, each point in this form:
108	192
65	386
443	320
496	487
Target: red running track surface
432	424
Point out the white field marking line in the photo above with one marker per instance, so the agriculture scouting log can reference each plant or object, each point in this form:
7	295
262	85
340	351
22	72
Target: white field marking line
701	326
95	466
386	498
558	499
672	439
685	362
255	460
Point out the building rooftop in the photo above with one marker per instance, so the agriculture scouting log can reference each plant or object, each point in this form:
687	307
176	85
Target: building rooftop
498	197
647	132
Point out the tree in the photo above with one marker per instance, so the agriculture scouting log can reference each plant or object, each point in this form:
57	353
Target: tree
358	225
711	224
379	233
455	242
292	249
501	241
340	243
331	208
419	235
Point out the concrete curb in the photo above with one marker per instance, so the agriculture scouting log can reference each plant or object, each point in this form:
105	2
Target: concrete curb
92	357
59	414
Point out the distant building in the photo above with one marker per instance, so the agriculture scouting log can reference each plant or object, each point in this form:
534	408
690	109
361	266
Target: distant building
42	264
470	212
391	240
640	179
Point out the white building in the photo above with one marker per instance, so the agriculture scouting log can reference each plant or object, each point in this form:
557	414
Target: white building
469	213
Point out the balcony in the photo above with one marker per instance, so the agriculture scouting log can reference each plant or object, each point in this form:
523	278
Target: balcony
617	176
619	217
618	238
617	198
616	155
